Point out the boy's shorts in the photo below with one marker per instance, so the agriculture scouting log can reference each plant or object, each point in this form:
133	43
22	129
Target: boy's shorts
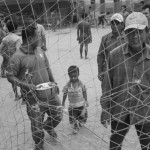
75	114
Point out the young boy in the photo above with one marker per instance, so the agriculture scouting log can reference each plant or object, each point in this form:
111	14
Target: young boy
77	96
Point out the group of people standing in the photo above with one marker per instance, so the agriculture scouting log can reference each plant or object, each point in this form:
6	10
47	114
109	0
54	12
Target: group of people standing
26	66
124	69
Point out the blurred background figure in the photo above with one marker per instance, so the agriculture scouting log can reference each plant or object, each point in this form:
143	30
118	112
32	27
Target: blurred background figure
124	12
6	20
84	35
9	45
146	12
40	31
101	19
74	18
142	3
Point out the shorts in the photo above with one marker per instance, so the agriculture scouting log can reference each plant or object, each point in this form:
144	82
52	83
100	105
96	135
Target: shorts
84	39
75	114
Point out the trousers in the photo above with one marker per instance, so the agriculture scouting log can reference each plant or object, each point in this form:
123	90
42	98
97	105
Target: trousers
120	129
36	113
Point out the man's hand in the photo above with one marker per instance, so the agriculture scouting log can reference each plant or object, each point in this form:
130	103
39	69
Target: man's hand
105	118
31	87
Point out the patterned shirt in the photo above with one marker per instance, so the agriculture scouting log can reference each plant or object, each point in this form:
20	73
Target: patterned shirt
75	95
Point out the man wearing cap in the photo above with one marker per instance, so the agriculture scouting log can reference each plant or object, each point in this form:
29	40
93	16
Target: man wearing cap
126	94
109	42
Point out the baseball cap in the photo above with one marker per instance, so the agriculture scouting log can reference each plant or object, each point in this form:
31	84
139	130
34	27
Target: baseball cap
136	20
117	17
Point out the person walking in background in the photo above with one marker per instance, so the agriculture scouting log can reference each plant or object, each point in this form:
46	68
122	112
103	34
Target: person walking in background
9	45
77	95
40	30
54	20
146	12
110	41
84	35
74	18
101	19
125	95
28	68
124	12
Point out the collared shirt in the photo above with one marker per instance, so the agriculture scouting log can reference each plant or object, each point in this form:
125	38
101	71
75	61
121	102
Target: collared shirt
108	43
75	95
126	87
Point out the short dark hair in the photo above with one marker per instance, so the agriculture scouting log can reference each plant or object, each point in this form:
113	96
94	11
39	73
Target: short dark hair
73	69
84	15
27	32
145	7
11	26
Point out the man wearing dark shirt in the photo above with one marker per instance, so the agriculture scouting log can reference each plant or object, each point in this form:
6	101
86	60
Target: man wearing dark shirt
109	42
84	35
28	68
126	94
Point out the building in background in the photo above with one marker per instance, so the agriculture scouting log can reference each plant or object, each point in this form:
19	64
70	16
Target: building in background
41	8
65	8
